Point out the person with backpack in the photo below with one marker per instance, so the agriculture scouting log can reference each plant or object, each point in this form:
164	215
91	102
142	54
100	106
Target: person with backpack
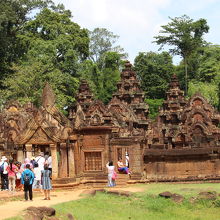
37	177
4	173
12	170
27	179
40	160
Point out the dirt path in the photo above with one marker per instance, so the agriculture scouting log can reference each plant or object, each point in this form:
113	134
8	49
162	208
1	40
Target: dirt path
13	208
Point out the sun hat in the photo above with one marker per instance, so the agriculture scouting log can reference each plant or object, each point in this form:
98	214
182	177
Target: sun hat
4	158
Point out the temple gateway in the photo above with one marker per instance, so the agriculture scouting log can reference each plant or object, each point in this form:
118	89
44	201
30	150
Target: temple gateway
182	144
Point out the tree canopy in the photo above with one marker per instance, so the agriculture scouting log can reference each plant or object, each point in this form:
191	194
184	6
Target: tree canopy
13	16
154	71
185	36
55	46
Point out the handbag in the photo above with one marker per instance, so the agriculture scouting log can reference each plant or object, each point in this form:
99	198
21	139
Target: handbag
18	175
114	175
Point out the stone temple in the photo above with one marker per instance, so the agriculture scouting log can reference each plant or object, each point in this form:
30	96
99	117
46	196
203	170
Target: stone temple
182	144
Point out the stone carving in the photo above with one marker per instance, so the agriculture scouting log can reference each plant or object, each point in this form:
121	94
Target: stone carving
184	137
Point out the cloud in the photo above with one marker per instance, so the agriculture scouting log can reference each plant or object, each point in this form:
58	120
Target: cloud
133	21
136	22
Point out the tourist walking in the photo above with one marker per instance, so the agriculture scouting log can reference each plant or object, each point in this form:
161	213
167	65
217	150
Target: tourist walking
48	161
46	182
19	186
26	161
37	177
40	160
27	179
4	173
12	170
111	174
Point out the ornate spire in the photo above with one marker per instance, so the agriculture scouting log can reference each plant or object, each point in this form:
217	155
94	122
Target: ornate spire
84	93
174	84
48	96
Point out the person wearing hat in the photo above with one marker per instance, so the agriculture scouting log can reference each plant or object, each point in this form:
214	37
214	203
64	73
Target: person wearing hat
4	173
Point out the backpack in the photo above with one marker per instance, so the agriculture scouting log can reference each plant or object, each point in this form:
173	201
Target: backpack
114	175
36	164
2	168
26	179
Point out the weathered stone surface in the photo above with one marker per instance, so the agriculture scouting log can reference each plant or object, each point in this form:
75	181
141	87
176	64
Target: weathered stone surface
166	194
70	216
33	213
48	211
88	192
177	198
120	193
174	196
39	213
210	195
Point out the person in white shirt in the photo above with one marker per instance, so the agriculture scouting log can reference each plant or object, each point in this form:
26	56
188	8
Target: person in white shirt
122	167
37	177
4	173
111	170
40	160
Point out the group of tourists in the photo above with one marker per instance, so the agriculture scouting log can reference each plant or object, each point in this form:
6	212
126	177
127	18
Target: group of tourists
33	173
112	174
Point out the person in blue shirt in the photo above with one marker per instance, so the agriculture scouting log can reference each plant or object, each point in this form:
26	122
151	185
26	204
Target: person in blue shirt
27	179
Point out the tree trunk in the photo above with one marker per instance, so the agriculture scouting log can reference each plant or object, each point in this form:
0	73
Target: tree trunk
186	76
219	97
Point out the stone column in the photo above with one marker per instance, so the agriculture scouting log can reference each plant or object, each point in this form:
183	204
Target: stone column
28	150
135	162
63	172
71	160
20	155
53	148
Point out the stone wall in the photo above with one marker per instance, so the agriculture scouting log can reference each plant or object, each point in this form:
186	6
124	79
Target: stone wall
183	170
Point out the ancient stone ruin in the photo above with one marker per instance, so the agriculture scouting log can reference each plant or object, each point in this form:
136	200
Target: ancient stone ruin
182	144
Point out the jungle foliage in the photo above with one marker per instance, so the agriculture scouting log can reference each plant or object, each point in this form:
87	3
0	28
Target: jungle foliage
40	42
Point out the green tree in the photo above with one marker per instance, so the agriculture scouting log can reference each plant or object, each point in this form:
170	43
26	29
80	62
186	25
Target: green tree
56	46
102	70
209	90
53	34
31	78
102	41
185	36
154	71
13	16
208	75
209	64
103	75
154	105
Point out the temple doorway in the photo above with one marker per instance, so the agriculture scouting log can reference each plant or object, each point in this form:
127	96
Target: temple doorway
41	148
124	154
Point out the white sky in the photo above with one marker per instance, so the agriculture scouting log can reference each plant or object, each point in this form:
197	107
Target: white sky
138	21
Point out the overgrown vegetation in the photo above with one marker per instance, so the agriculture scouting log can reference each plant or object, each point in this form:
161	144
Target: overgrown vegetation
145	205
40	42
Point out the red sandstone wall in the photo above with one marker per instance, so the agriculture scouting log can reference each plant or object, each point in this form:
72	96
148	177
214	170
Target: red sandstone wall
185	170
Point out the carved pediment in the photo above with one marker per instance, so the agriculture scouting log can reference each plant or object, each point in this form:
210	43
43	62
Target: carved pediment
40	137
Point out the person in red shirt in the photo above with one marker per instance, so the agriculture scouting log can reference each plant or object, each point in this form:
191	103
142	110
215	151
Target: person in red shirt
12	169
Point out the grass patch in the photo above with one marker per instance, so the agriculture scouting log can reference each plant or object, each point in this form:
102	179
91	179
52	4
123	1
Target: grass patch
144	205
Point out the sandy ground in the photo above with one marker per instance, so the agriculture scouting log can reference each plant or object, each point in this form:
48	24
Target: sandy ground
13	208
